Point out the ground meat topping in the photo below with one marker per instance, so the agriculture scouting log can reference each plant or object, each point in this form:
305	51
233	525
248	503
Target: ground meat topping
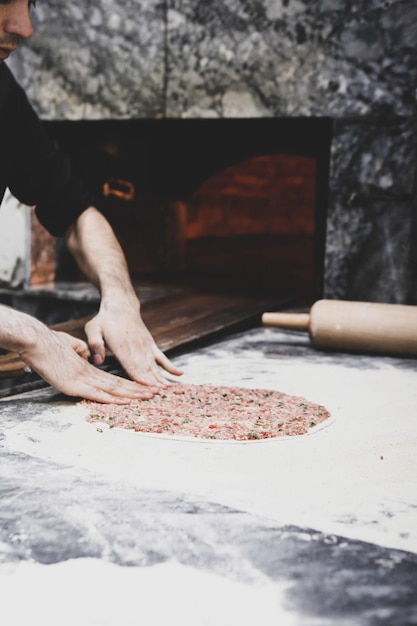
214	412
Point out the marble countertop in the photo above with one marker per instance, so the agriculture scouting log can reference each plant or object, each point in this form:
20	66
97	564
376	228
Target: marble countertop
103	526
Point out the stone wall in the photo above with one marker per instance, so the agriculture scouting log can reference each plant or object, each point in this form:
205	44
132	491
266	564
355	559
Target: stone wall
354	61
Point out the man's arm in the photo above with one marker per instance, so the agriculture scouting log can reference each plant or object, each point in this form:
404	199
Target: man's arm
118	324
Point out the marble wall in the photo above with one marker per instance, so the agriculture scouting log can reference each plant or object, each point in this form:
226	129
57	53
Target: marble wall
353	61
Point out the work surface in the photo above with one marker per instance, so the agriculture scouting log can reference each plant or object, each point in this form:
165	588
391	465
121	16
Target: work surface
112	527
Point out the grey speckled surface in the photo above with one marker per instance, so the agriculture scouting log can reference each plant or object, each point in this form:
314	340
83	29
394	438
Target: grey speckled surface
230	58
96	60
236	58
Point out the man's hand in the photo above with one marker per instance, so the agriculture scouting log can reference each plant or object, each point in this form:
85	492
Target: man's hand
123	331
61	360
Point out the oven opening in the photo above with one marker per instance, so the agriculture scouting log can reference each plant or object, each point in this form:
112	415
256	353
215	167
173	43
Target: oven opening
234	205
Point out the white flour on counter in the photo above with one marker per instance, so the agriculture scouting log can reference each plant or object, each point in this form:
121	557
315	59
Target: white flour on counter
89	592
354	479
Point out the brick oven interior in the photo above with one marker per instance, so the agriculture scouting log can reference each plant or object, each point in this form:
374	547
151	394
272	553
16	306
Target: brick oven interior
237	205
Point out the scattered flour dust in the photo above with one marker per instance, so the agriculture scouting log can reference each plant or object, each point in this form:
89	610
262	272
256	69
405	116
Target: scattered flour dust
91	592
214	412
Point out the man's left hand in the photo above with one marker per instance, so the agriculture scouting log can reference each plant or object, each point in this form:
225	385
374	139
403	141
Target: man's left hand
123	332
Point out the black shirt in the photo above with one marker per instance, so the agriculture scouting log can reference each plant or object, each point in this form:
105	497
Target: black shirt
32	165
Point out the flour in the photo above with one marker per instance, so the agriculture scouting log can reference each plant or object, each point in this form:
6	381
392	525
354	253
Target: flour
355	478
89	592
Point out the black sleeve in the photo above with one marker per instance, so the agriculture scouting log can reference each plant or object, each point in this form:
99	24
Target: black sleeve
39	173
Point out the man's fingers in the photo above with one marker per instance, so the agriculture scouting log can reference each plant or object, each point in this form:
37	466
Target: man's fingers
151	378
105	397
147	374
119	387
95	341
168	366
79	346
104	387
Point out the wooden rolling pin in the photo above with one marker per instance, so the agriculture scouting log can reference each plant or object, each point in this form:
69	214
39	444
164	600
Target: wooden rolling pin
355	326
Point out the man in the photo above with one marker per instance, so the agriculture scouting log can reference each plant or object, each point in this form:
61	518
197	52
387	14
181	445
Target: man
37	173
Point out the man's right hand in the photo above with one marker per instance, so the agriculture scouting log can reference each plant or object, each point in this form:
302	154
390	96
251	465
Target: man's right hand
67	369
62	361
